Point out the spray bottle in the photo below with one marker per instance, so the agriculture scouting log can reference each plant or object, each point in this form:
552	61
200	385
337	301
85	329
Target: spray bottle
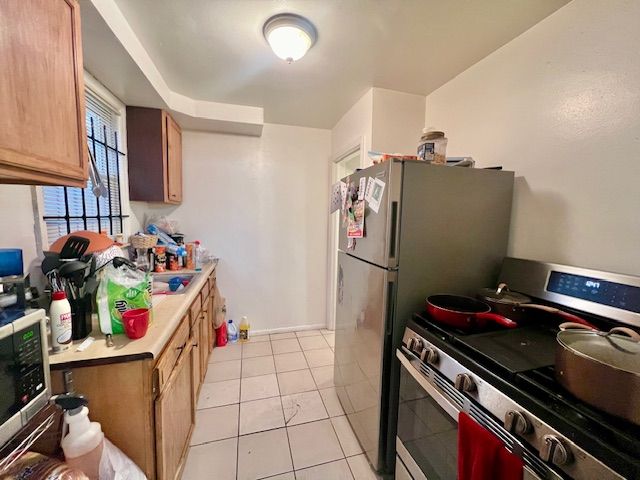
85	446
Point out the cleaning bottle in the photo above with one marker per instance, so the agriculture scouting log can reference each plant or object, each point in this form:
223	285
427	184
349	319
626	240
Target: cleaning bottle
85	446
198	255
232	332
244	329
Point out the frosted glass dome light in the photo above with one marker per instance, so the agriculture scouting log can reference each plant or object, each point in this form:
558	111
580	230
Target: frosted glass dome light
290	36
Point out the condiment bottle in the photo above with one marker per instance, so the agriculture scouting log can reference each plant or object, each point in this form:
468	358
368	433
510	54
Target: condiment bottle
60	315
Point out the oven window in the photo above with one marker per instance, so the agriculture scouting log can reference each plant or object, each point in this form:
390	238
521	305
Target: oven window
428	433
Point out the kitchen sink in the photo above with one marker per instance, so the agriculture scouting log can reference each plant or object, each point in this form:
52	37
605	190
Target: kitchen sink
163	278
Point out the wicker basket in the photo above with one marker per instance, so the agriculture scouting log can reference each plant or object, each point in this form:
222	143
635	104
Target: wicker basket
143	241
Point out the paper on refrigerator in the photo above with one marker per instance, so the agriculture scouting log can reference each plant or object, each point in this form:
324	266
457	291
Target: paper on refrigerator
376	194
336	197
355	224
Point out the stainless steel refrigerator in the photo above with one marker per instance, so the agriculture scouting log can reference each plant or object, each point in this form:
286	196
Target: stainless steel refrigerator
438	230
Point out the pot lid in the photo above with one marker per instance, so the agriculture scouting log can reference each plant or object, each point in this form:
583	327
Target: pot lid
617	351
504	296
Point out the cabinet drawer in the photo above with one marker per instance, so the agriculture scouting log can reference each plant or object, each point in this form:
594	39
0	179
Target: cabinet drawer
171	353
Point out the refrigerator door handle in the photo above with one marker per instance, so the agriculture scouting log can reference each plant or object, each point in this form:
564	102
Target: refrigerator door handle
393	237
391	296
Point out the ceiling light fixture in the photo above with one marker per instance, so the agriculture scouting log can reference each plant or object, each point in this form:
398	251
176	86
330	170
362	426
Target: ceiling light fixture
289	35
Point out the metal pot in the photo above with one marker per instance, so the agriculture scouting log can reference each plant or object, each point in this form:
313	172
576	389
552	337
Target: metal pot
519	307
464	313
601	368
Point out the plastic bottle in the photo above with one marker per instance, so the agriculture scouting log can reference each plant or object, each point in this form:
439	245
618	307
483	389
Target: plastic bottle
60	314
198	255
85	446
232	332
84	443
244	329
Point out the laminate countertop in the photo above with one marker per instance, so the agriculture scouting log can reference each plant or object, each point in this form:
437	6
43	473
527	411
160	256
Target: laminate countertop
168	310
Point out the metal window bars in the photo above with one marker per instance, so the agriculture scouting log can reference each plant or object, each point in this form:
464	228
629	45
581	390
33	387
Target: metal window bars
93	144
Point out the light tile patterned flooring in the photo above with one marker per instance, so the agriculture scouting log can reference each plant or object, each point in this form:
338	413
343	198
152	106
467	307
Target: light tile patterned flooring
268	409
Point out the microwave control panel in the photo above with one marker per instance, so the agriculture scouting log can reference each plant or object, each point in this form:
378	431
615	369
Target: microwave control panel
28	364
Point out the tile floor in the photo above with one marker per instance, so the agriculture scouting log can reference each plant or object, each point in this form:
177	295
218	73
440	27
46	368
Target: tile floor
268	409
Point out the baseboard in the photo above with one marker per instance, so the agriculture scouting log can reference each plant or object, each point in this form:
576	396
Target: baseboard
318	326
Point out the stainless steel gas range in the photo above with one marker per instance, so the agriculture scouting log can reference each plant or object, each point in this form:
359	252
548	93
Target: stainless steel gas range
504	380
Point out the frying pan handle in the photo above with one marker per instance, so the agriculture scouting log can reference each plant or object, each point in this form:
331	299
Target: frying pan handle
499	319
570	317
566	316
626	331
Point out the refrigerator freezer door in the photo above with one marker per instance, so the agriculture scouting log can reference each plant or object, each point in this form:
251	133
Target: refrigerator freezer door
362	337
379	245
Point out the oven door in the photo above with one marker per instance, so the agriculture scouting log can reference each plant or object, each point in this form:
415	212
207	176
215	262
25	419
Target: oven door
427	438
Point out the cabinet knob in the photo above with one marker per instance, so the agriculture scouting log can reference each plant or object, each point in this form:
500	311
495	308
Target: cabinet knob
517	422
464	383
555	451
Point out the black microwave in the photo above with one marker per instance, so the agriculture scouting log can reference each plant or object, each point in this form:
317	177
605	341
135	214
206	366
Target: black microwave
24	372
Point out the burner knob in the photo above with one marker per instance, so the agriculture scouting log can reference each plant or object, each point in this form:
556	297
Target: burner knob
516	422
554	451
464	383
429	355
414	344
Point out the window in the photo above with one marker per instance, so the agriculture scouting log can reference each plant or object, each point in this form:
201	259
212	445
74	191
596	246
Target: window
67	209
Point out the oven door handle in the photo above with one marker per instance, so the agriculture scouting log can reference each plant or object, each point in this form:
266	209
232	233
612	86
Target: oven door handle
433	392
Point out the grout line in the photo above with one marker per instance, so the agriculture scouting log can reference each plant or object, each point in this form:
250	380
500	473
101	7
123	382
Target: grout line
326	463
238	435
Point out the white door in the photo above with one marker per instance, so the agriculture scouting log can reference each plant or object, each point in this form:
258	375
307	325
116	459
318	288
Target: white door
342	166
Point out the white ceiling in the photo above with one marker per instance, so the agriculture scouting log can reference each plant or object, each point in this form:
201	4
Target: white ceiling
213	50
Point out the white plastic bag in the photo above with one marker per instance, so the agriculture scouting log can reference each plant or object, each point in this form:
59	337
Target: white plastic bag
115	465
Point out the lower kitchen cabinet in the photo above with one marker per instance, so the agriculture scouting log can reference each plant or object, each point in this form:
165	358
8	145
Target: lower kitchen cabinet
147	406
175	418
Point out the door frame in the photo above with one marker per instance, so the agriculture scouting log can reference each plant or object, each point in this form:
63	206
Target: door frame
357	144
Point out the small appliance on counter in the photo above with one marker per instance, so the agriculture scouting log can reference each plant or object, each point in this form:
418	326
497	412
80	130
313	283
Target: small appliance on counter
24	371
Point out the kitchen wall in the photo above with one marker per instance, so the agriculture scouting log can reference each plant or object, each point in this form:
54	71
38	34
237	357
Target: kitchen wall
560	105
17	223
382	120
260	204
398	119
355	126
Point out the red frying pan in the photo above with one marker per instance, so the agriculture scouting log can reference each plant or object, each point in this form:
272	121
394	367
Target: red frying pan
465	313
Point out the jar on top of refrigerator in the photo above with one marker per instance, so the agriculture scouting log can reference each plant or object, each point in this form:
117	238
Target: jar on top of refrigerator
433	147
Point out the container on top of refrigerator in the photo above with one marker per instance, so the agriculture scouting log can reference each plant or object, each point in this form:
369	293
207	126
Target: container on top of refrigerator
432	147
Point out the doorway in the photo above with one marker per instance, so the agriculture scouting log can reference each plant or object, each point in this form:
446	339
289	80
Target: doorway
341	166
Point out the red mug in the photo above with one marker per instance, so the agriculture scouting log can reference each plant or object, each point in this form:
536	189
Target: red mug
136	322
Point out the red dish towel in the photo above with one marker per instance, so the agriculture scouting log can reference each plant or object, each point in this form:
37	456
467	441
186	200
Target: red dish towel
482	456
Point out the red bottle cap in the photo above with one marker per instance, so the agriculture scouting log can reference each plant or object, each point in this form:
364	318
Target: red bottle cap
58	295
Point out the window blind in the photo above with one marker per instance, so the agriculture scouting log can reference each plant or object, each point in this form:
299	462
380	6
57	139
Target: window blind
67	209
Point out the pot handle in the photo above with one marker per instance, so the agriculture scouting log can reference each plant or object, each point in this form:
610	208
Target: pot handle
499	319
502	287
627	332
573	325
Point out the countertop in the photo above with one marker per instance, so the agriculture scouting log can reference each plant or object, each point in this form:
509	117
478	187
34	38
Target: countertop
168	310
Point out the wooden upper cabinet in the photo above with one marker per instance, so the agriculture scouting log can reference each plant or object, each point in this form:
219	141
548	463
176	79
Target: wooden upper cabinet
154	145
42	127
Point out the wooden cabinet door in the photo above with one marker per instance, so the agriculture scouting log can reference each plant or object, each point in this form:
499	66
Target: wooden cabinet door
196	364
175	417
42	127
174	161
